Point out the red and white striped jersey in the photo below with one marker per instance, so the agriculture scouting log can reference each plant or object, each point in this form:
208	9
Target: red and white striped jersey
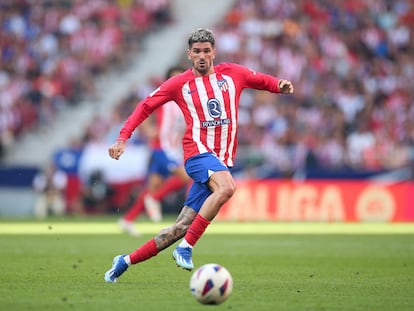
209	105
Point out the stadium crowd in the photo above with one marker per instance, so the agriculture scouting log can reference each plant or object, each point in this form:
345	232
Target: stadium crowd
352	63
52	51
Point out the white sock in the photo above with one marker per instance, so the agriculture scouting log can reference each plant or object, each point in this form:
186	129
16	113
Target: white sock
127	260
184	244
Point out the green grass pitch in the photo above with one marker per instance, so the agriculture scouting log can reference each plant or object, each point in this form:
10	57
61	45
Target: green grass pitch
58	264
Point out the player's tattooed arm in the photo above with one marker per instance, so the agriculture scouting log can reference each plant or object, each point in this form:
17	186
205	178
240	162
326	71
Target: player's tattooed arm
170	235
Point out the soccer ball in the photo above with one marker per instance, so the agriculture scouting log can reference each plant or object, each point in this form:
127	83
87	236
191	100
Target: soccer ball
211	284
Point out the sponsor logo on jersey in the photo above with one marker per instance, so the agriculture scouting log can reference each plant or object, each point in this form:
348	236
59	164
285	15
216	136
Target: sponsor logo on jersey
214	108
218	122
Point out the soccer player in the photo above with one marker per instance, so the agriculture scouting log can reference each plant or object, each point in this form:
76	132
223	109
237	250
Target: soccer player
166	172
208	96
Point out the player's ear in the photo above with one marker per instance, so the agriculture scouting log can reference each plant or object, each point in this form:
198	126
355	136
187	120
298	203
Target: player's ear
188	54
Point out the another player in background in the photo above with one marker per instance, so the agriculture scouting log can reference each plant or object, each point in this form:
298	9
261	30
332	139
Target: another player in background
49	185
209	97
166	172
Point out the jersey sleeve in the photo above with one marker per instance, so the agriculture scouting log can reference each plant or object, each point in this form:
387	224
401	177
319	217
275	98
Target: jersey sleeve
257	80
144	108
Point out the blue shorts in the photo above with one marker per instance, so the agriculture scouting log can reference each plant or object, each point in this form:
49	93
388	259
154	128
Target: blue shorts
160	164
200	168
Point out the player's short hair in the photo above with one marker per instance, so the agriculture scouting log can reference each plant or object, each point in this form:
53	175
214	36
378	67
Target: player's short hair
201	35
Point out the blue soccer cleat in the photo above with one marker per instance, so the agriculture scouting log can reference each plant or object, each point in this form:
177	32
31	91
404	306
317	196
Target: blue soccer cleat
182	257
119	266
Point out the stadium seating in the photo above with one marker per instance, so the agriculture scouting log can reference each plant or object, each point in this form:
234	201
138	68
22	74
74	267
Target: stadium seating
351	63
52	52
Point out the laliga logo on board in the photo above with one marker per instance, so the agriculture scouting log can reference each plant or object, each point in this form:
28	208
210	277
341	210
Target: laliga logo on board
317	201
375	204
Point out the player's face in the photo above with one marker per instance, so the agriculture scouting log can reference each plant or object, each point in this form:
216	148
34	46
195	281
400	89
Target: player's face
202	55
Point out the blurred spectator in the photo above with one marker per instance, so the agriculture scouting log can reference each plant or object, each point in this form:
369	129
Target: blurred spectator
96	194
51	52
49	185
67	159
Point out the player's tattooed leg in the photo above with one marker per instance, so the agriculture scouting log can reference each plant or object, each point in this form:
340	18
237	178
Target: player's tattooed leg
170	235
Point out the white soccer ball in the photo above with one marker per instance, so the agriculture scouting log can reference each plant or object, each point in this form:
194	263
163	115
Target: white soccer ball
211	284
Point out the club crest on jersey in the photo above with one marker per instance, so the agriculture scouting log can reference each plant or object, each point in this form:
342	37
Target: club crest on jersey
223	85
214	108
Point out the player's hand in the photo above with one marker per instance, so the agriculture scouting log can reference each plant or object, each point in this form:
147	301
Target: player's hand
285	86
117	149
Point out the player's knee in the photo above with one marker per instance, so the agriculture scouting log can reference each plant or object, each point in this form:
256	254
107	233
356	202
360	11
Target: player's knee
227	191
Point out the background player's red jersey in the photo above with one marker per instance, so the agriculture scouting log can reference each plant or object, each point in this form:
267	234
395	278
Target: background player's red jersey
170	125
